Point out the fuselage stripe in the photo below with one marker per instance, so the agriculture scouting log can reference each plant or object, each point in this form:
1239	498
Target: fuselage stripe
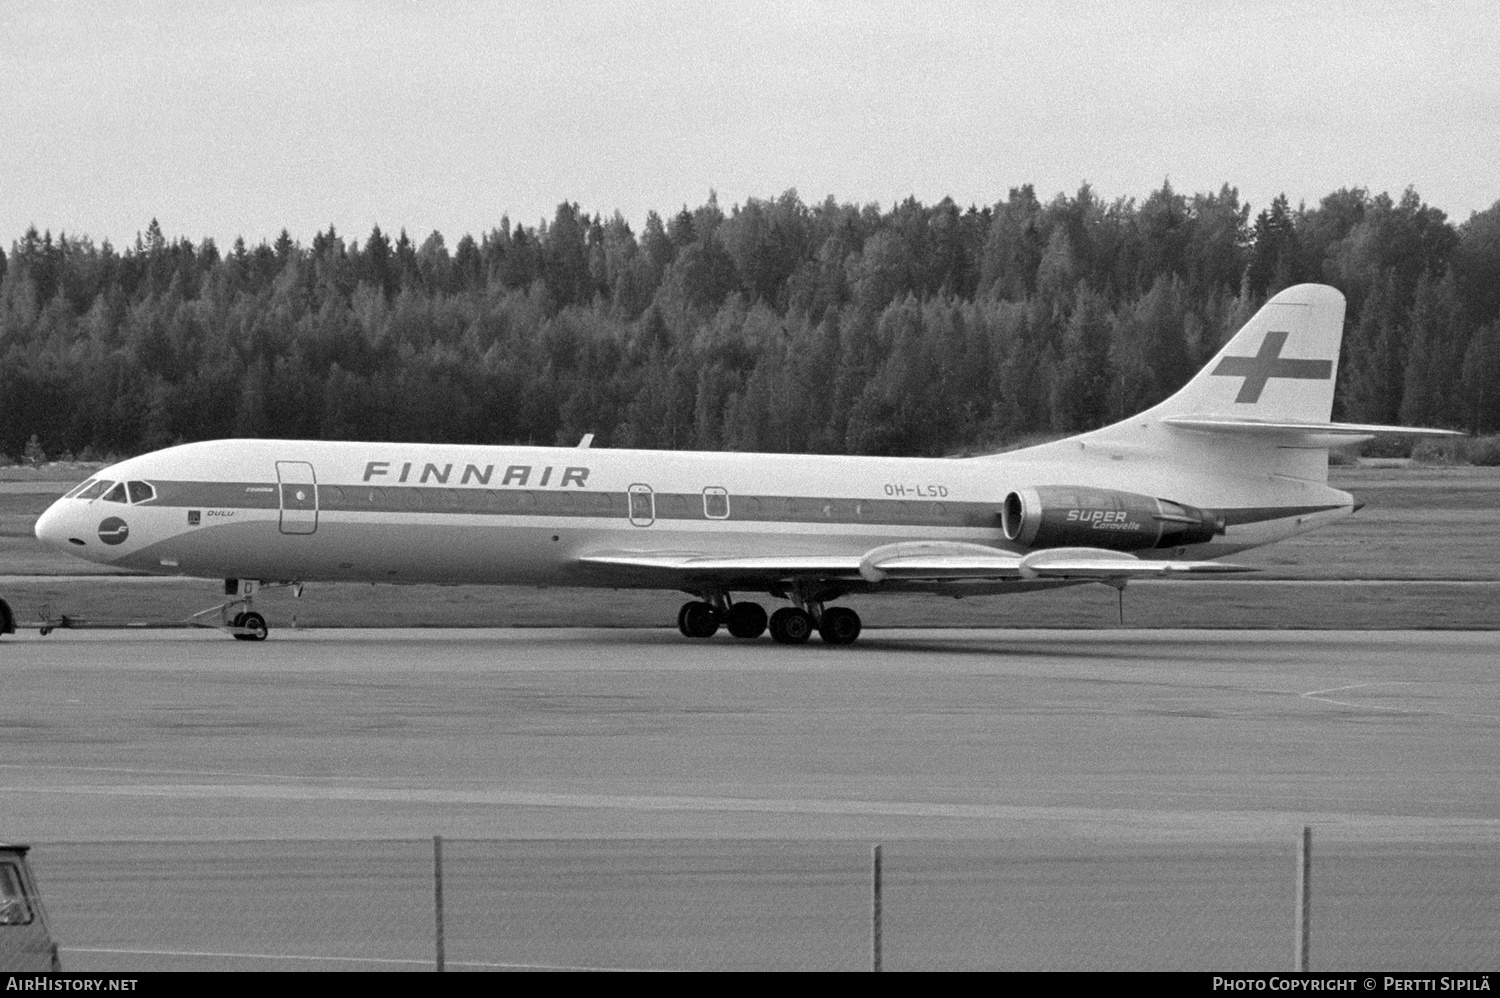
670	506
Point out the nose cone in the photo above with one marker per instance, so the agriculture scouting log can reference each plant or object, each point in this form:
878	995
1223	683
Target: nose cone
52	528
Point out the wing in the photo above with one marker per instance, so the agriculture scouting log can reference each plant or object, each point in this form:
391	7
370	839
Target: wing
927	564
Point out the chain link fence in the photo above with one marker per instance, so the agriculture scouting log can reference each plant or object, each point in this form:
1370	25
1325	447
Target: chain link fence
764	905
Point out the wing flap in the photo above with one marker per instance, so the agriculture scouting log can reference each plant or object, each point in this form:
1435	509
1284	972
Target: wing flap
1097	563
938	560
697	563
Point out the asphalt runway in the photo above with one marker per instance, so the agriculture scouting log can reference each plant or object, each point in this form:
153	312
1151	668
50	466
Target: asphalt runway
1047	798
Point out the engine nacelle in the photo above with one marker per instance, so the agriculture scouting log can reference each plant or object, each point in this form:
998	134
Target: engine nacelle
1052	516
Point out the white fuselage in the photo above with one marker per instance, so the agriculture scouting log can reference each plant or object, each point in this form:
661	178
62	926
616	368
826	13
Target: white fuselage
406	513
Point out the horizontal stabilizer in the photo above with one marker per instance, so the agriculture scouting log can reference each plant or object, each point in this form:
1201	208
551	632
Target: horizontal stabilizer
1097	563
1298	433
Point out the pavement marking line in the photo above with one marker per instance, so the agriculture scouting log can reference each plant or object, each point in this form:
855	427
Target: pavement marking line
511	798
1186	822
347	959
1318	696
162	772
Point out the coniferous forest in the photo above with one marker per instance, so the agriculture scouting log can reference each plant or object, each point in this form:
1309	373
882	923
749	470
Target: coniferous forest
775	326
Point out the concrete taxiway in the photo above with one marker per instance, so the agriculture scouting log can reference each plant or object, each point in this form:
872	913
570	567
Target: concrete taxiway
1139	735
631	799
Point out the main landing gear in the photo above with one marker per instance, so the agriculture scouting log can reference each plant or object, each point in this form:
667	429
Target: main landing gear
791	625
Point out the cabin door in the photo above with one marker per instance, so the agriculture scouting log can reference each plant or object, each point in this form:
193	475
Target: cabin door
299	497
642	505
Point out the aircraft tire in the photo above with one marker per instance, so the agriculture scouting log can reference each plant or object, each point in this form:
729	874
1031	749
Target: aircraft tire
791	626
697	620
747	620
839	626
7	619
256	623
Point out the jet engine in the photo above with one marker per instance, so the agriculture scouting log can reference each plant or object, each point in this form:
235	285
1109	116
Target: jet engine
1053	516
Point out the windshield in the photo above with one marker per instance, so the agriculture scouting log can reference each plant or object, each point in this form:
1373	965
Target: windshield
94	491
13	907
78	488
116	494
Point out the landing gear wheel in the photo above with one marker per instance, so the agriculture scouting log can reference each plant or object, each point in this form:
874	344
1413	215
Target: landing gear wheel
255	622
697	620
791	626
747	620
839	626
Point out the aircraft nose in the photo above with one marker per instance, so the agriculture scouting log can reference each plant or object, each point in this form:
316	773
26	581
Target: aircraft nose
52	527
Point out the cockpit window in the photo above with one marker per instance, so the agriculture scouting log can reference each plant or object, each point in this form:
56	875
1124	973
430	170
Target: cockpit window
140	491
94	491
78	488
116	494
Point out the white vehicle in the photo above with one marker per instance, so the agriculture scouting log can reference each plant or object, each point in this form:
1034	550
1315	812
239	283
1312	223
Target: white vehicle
1236	459
26	943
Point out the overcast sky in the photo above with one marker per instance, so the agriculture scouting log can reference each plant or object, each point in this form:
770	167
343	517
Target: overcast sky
238	117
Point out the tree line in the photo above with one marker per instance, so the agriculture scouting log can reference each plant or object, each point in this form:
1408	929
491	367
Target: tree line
777	326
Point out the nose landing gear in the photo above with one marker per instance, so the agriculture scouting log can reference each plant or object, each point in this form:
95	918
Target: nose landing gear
249	626
246	624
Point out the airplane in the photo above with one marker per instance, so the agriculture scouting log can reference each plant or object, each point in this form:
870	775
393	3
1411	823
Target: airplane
1236	459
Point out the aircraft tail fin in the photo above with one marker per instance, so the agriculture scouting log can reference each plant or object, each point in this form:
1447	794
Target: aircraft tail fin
1280	365
1263	403
1273	381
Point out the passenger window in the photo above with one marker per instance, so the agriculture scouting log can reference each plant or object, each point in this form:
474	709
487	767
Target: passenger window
96	490
715	503
116	494
13	907
140	491
78	488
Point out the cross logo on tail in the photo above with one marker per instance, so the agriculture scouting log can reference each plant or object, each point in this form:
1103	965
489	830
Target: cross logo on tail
1267	364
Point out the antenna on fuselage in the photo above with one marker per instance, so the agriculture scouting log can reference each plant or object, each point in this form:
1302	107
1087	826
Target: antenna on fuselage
586	442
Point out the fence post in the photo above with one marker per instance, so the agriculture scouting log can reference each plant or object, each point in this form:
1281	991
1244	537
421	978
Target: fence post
875	909
1304	899
437	895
